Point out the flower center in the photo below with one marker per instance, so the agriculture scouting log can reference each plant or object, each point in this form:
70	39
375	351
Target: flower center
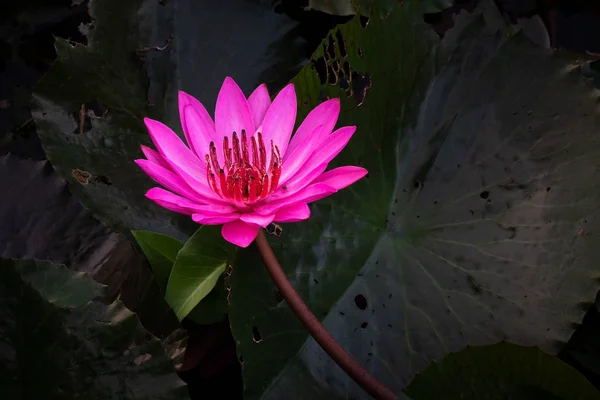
245	177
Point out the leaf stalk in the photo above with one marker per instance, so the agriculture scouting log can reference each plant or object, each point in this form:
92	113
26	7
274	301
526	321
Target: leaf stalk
344	360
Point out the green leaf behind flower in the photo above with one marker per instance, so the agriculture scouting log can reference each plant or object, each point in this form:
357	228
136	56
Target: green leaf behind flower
161	252
477	222
197	269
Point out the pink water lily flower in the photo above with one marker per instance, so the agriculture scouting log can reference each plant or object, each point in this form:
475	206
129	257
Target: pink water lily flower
242	170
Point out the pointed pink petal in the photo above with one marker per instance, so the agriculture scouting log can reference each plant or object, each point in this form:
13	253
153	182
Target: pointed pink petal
189	100
259	101
170	180
191	129
182	160
254	218
198	131
167	200
232	113
327	150
240	233
308	194
294	213
215	220
279	120
297	183
211	210
341	177
325	114
154	157
301	154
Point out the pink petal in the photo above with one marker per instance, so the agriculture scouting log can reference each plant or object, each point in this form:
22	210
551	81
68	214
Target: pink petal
259	101
341	177
294	213
215	220
199	132
169	180
154	157
279	120
211	210
232	113
317	162
297	183
325	114
240	233
258	219
301	154
189	100
310	193
192	129
182	160
167	200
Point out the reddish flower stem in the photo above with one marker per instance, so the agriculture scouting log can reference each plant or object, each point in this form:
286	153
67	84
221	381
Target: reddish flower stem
314	327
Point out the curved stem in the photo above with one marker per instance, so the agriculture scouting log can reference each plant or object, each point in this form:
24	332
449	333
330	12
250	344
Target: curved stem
360	375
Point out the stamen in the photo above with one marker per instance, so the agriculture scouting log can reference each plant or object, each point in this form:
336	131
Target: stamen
213	157
226	152
245	156
223	183
262	154
254	152
210	177
236	148
245	177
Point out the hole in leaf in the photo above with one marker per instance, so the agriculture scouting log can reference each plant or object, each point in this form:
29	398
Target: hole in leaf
341	44
102	179
360	301
88	111
364	21
484	195
360	85
256	336
364	325
320	68
329	50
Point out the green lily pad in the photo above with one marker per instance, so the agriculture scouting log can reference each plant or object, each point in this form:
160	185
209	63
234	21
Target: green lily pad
56	342
501	372
477	222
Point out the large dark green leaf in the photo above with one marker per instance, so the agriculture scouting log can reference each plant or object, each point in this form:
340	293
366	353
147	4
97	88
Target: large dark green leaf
475	224
41	219
56	343
501	372
89	108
